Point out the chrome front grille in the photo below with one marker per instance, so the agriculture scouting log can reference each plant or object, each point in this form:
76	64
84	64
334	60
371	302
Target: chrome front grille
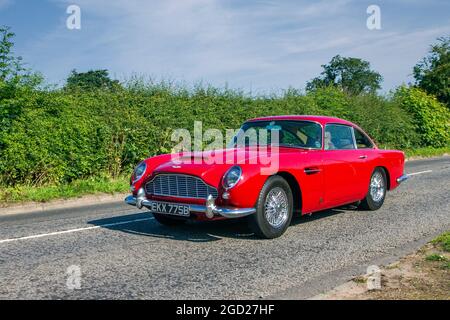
180	186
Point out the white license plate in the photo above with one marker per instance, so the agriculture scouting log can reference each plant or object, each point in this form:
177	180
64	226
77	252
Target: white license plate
169	208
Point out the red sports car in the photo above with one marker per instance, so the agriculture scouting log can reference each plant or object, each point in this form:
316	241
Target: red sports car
310	163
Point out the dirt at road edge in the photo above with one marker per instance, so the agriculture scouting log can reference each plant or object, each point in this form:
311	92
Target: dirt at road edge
423	275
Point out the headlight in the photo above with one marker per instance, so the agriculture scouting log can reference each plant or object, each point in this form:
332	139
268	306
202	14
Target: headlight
139	171
232	177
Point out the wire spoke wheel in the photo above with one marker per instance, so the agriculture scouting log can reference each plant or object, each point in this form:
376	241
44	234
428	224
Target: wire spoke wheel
276	207
377	188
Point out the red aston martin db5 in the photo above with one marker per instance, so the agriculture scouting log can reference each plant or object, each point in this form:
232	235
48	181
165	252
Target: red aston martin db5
310	163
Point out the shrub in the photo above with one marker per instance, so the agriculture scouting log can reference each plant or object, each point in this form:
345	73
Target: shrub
430	117
383	119
59	136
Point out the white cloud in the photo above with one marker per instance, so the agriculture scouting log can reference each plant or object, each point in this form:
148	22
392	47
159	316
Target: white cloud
193	39
394	54
262	45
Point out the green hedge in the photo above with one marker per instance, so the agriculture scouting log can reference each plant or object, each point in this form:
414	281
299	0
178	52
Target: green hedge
430	117
57	136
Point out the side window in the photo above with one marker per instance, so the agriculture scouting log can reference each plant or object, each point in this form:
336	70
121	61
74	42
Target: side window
362	142
338	137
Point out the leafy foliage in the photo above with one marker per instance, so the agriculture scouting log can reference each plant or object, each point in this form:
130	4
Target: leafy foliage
444	241
352	75
430	117
13	73
432	74
10	66
91	80
60	136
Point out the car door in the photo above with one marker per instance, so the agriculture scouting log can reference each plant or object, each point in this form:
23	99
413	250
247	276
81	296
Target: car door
311	180
309	162
340	165
366	157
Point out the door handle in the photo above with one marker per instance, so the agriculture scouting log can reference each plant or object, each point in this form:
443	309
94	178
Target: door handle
309	171
362	157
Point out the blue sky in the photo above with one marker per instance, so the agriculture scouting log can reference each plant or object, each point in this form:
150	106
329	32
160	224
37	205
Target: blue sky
259	46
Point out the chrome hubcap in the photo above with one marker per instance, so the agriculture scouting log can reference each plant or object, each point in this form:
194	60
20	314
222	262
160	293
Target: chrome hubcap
377	187
276	207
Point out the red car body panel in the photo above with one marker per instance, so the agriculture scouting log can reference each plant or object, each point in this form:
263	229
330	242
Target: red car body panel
342	175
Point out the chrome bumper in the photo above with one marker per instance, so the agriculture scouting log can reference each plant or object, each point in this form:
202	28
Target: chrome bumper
402	178
209	209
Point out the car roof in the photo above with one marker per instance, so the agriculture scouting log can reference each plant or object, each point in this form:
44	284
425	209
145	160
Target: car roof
320	119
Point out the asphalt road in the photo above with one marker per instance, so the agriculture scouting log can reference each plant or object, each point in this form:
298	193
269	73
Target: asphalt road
120	252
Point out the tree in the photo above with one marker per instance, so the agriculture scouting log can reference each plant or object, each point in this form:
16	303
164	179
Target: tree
13	74
91	80
10	65
432	73
352	75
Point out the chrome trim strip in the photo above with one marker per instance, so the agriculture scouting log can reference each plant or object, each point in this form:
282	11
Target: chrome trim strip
354	138
402	178
208	209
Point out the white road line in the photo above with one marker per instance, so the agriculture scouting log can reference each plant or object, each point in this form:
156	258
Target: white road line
74	230
420	172
117	223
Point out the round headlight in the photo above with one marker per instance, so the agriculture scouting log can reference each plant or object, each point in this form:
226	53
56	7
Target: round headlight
139	171
232	177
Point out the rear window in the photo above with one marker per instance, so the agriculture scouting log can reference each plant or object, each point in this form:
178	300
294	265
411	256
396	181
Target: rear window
362	141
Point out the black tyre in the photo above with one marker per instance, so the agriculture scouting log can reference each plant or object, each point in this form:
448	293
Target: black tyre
168	220
273	210
377	191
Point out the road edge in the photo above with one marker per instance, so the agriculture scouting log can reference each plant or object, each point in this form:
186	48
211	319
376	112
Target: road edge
313	288
73	203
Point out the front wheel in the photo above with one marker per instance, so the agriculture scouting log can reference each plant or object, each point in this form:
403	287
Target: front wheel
273	210
377	191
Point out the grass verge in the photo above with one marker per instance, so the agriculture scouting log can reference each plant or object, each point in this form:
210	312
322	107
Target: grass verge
443	241
426	152
75	189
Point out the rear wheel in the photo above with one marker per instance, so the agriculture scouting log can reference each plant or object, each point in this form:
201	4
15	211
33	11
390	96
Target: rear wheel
377	190
167	220
274	209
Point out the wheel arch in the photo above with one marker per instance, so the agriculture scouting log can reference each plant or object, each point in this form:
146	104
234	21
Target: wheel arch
388	176
295	188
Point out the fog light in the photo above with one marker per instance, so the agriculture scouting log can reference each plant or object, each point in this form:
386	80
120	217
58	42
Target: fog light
226	195
132	189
